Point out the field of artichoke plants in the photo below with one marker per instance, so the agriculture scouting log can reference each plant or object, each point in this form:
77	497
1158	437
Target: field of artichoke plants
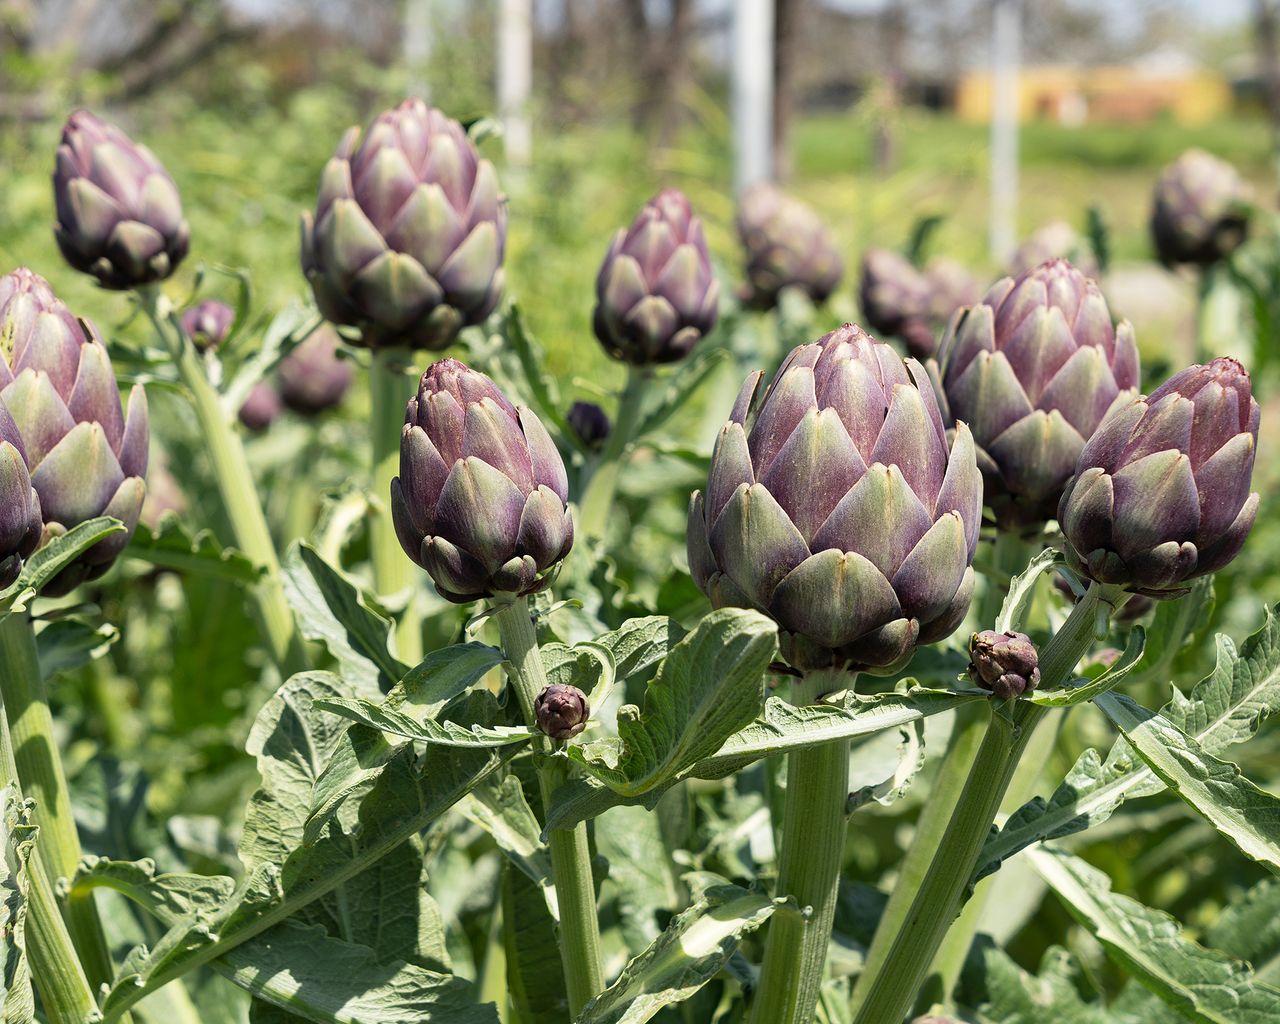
913	669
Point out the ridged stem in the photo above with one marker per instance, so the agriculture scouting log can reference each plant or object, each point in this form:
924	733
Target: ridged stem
579	931
597	500
814	821
390	388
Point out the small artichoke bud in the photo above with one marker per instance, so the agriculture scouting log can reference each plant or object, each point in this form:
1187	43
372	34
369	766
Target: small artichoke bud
87	457
208	323
408	234
1161	493
1032	369
314	377
1004	663
261	407
1200	212
119	213
837	505
562	711
590	423
787	245
913	305
481	499
1057	240
656	296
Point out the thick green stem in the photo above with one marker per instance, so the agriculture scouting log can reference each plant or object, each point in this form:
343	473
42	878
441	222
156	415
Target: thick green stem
570	854
597	499
892	990
814	821
390	387
240	501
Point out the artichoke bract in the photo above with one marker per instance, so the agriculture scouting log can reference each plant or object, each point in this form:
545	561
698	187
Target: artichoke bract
787	245
590	423
87	458
314	377
208	323
1032	369
20	524
409	230
1200	211
119	213
835	505
1057	240
261	407
481	499
656	296
1161	491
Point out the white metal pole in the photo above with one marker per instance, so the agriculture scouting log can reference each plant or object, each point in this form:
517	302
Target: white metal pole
416	45
515	76
752	91
1005	45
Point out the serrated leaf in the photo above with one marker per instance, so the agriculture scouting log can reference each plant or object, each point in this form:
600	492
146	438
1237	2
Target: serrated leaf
1243	814
51	559
17	841
1249	929
535	976
640	871
396	723
695	946
1022	589
70	643
709	686
640	644
173	546
908	759
1204	985
500	808
1105	681
1016	997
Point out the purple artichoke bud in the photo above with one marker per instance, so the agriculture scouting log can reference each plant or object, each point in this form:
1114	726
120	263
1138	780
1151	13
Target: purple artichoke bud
656	296
409	230
1032	369
20	524
119	214
951	287
208	323
1200	214
261	407
894	297
480	502
314	376
1057	240
1161	491
835	505
787	245
590	423
1004	663
87	458
562	711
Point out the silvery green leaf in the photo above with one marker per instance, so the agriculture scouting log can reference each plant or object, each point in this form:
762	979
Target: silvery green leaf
500	808
1091	689
52	558
1022	589
1015	996
903	766
70	643
172	546
1249	929
535	976
376	715
640	881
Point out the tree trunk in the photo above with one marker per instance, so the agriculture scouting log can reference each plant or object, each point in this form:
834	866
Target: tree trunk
788	23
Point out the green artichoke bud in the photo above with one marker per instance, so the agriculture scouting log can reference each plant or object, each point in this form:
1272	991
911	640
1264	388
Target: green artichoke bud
787	246
590	423
1004	663
1057	240
119	213
1161	491
835	505
261	407
656	296
1200	214
481	499
314	376
562	711
408	234
208	323
87	458
902	301
1032	369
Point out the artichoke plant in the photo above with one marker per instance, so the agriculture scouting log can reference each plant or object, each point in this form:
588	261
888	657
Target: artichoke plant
1057	240
912	304
656	296
787	245
260	407
407	238
836	505
208	323
1161	491
590	423
1032	369
1200	212
314	376
119	213
1005	663
481	499
86	457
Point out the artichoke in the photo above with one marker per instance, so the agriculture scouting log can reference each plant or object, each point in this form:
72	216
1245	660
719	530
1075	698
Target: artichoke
787	245
20	523
561	711
314	376
1006	663
409	230
656	296
208	323
590	423
119	213
902	301
261	407
86	457
1057	240
835	505
480	502
1161	491
1200	214
1032	369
